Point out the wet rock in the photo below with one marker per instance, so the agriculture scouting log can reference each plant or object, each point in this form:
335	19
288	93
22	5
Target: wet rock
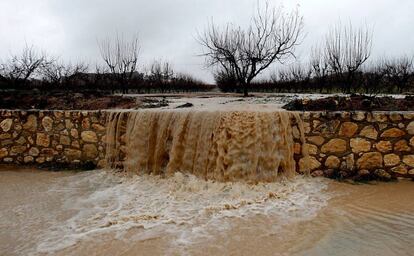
5	136
383	175
369	132
34	151
75	144
6	142
68	124
72	154
58	114
410	128
86	124
98	127
42	139
186	105
31	123
47	123
308	164
364	173
391	160
334	146
89	136
348	129
350	162
3	152
360	145
60	127
332	162
412	141
358	116
329	173
402	146
311	149
48	152
409	160
89	151
6	124
408	116
384	146
395	117
8	160
40	160
370	161
380	117
327	127
28	159
21	140
101	163
392	133
64	140
16	150
400	170
317	173
317	140
316	123
74	133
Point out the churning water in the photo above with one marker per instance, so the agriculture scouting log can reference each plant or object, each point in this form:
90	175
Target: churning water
106	213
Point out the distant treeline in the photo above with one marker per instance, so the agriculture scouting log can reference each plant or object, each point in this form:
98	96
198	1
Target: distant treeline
33	69
385	76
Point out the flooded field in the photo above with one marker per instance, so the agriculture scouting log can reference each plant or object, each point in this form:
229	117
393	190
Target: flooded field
105	213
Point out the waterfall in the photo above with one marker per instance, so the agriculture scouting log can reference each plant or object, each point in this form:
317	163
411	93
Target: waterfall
220	145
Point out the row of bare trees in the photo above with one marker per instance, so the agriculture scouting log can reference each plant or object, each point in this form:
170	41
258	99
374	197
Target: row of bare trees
383	76
119	73
338	64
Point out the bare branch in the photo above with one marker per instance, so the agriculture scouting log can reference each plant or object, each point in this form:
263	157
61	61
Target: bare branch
271	37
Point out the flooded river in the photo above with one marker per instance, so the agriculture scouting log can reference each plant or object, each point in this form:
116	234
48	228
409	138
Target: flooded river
104	213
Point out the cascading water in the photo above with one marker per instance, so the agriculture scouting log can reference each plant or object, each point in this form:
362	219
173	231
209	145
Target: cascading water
218	145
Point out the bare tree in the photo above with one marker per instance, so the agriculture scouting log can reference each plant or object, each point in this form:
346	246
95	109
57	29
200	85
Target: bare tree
373	78
320	68
346	50
272	36
399	71
160	74
22	67
57	73
121	57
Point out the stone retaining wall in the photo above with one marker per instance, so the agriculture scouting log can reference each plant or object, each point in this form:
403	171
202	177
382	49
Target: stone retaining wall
37	137
341	144
359	144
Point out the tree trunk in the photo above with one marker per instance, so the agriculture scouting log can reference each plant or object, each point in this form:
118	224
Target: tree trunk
245	90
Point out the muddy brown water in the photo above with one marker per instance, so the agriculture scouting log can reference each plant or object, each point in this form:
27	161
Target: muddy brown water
102	213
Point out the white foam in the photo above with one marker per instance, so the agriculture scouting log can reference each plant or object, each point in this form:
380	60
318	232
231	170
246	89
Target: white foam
182	205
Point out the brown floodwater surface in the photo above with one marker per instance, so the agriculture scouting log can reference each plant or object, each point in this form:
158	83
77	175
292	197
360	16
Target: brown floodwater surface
104	213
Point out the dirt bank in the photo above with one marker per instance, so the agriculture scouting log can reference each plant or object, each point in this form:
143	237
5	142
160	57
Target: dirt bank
66	101
353	102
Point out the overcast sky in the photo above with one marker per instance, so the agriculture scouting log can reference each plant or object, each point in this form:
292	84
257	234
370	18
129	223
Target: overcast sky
167	28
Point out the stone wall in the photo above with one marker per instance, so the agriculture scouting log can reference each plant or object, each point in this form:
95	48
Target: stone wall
359	144
37	137
341	144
